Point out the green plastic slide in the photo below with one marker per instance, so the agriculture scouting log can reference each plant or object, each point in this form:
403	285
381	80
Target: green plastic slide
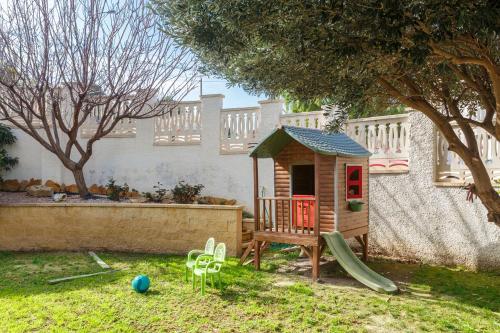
355	267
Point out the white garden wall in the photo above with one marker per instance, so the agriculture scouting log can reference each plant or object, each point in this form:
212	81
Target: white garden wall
410	214
141	164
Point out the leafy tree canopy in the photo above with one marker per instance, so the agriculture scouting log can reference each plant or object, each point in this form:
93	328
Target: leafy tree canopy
438	57
334	49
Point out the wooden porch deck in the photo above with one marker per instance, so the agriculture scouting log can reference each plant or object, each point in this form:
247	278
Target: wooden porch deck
287	238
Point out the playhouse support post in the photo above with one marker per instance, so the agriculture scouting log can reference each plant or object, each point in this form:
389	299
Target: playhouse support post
316	250
257	255
365	247
256	193
316	254
256	210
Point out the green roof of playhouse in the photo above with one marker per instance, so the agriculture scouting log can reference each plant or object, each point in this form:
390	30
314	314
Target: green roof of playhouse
325	143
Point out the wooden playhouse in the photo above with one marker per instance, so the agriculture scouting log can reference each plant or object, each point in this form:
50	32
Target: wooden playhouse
320	186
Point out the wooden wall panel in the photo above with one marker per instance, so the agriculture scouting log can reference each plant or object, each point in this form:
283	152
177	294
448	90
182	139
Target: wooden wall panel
296	153
326	192
352	223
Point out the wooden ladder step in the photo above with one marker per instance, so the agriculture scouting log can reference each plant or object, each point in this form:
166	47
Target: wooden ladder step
246	244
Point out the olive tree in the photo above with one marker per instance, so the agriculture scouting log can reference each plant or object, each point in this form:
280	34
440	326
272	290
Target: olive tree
64	61
438	57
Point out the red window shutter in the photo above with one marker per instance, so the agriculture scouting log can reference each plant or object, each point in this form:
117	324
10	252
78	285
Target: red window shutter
354	182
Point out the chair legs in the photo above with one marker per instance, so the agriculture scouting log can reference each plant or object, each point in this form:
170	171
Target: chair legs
204	281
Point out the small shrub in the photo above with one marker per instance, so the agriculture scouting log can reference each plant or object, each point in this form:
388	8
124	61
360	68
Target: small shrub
247	215
6	138
185	193
115	191
158	194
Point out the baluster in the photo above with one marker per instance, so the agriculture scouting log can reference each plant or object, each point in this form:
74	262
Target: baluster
404	138
294	215
393	144
282	215
364	136
309	217
264	214
289	215
302	213
372	139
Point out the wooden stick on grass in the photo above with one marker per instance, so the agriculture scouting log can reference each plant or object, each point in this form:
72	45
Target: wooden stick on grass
69	278
99	261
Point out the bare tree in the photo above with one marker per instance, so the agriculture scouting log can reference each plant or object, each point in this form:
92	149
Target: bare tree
64	61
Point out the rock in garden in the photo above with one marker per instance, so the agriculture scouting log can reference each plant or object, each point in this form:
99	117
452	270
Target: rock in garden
40	191
94	189
53	185
34	181
11	185
209	200
23	185
59	197
72	189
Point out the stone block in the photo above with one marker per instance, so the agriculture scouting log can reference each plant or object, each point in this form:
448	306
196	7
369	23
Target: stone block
11	185
40	191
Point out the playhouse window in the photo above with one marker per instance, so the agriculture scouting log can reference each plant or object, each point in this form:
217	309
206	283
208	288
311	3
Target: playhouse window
354	182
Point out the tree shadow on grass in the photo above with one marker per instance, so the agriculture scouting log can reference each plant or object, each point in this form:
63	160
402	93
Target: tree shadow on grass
480	290
433	283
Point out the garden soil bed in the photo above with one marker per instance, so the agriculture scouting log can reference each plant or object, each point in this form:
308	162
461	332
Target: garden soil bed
23	198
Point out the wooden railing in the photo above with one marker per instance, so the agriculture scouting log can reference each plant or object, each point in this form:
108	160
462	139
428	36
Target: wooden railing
274	215
239	130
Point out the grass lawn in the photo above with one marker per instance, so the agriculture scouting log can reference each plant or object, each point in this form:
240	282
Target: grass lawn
433	299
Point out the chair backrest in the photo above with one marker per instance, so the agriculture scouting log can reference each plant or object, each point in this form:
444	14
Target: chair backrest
220	252
210	246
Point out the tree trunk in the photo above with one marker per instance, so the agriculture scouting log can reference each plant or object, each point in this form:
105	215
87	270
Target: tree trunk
484	189
483	186
80	182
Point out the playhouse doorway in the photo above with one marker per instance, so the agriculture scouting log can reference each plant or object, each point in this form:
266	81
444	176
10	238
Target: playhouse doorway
303	179
303	189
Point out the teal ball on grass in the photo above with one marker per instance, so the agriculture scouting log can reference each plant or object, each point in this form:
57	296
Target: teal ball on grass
140	283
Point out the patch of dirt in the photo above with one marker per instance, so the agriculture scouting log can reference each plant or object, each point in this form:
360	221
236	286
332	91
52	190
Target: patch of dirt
333	274
381	323
22	198
284	283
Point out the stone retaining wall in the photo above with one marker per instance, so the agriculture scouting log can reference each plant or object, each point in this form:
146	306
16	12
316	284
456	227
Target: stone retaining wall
149	228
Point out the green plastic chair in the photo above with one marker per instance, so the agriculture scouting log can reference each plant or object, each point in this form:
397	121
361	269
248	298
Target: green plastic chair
207	254
211	269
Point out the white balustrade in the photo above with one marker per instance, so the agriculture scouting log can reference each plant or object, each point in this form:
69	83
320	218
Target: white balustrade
181	126
315	119
125	128
450	168
239	130
387	138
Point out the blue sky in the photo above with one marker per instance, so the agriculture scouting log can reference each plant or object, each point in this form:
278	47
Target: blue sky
234	96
